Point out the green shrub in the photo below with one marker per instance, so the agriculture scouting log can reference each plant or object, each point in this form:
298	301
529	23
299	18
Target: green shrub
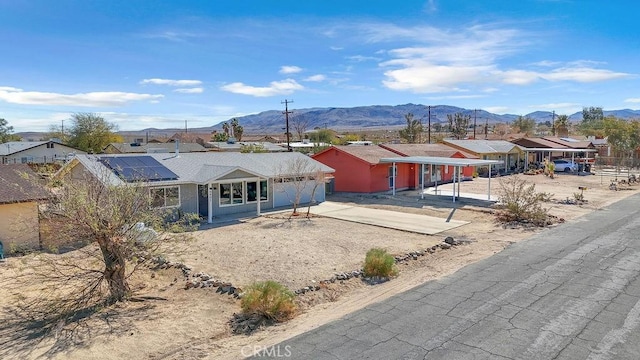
270	299
378	263
521	203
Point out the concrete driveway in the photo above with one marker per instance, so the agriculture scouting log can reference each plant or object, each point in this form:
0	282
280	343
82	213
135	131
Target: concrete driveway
421	224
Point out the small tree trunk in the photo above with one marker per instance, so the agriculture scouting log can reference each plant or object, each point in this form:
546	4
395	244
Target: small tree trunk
115	268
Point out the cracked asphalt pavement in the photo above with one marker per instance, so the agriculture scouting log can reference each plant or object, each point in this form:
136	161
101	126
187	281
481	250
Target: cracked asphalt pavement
569	292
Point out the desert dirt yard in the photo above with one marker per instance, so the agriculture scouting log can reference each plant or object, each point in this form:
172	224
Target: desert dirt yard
182	323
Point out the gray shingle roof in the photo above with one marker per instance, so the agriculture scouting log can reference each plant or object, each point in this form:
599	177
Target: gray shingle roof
484	146
203	167
126	148
18	183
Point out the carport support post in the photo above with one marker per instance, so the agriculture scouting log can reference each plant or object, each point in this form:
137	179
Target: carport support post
258	198
210	203
459	179
393	174
454	185
422	176
489	190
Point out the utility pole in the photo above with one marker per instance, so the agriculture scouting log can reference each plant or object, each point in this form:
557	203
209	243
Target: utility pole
429	126
474	123
553	123
62	131
286	117
486	127
185	127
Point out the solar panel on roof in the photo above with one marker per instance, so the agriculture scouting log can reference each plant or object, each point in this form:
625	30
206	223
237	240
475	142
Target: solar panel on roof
138	168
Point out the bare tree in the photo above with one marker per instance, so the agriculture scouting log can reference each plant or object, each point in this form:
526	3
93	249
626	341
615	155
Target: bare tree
94	211
295	177
300	123
318	180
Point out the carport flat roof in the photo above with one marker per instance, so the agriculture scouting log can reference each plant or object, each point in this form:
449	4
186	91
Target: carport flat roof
560	150
440	161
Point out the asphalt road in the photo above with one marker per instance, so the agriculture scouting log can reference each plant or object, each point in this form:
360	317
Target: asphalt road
570	292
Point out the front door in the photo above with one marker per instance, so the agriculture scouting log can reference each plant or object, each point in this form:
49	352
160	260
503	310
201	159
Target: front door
203	201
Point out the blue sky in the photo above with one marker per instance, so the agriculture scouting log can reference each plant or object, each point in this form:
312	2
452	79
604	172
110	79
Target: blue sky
150	63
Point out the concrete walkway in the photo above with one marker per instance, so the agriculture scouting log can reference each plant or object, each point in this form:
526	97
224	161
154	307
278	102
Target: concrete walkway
421	224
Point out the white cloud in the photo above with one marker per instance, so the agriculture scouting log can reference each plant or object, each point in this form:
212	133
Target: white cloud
632	100
316	78
583	74
445	61
336	48
283	87
456	97
360	58
423	77
169	82
196	90
96	99
430	6
290	69
497	109
556	106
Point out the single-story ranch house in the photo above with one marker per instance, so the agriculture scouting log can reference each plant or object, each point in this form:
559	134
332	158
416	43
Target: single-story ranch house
23	152
19	216
358	167
211	184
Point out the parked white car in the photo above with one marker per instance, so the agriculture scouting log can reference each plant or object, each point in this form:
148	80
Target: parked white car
563	165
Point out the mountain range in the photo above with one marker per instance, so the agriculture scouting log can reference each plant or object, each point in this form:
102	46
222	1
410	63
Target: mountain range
385	116
366	118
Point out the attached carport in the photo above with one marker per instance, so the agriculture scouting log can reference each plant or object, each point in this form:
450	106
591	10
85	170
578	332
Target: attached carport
550	151
457	163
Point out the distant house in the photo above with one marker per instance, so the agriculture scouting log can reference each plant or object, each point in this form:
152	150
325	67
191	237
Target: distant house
19	198
358	167
41	152
262	138
541	148
510	154
211	184
139	148
238	146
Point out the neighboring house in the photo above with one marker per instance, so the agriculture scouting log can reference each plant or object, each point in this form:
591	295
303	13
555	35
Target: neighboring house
441	173
261	138
139	148
358	167
238	146
541	148
211	184
19	215
23	152
509	153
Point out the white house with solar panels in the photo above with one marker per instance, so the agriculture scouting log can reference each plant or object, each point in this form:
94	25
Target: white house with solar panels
212	184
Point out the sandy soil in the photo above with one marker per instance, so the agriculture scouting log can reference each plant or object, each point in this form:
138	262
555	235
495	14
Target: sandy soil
192	323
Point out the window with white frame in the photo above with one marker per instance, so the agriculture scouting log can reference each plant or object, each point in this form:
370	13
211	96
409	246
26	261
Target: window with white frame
238	193
165	196
252	191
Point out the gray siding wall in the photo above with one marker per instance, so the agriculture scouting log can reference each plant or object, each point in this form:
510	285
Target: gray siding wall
284	193
189	198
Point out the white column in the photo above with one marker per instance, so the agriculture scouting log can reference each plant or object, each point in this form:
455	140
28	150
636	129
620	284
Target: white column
422	176
489	191
210	203
393	174
454	184
459	179
258	197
